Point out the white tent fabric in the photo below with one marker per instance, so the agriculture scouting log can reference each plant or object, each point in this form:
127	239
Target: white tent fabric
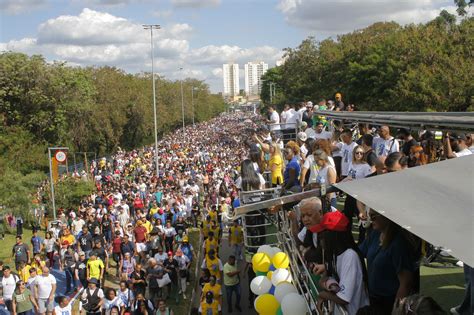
435	202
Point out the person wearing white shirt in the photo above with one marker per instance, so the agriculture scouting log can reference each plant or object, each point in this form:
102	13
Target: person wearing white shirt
274	120
385	144
318	132
45	288
9	281
455	145
347	147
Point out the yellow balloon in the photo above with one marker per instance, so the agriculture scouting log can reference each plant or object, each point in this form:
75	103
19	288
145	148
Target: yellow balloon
281	260
261	262
266	304
269	275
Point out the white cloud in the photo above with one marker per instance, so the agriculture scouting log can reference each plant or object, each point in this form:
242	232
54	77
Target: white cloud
164	14
329	17
195	3
98	38
20	6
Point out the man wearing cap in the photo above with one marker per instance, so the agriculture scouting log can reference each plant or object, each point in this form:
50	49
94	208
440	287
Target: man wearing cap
339	104
183	265
92	298
301	138
455	145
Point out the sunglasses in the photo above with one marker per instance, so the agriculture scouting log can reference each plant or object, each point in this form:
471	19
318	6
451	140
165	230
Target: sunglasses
359	153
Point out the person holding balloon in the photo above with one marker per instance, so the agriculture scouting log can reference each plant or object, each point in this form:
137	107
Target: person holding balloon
345	280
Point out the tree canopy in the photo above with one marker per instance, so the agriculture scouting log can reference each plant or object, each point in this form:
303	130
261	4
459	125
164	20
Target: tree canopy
385	66
93	109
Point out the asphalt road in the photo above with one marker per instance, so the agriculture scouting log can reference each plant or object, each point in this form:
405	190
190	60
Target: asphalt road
225	252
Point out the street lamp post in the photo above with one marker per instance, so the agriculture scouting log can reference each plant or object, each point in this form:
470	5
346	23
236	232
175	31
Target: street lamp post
182	101
192	100
152	27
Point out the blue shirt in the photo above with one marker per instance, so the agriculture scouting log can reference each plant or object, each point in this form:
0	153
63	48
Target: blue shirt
36	241
158	196
384	265
293	164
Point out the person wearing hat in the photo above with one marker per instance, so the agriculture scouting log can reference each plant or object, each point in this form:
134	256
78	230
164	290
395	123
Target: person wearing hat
187	248
301	138
339	103
345	280
214	287
183	265
92	298
455	145
210	305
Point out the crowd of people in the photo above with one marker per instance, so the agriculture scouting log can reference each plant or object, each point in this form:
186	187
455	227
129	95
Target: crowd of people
136	227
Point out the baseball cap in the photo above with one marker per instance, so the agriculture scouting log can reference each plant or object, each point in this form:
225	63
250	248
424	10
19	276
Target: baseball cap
94	281
331	221
170	253
457	136
302	136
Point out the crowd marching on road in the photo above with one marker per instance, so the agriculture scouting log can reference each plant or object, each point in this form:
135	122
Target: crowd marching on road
136	227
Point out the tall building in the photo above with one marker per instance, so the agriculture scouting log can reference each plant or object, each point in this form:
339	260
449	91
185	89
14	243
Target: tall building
253	74
230	74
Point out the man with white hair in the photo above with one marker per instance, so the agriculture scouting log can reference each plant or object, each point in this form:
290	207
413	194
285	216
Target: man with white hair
310	212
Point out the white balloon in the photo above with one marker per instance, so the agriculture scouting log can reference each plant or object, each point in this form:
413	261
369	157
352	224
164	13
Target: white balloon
293	304
267	249
281	275
260	285
274	251
283	289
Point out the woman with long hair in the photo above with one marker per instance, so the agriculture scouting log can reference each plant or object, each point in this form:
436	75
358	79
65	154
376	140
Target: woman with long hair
359	168
276	164
23	301
126	266
49	245
326	175
345	280
292	170
417	156
391	262
249	178
311	165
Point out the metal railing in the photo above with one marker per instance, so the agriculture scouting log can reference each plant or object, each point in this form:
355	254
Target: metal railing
288	131
277	232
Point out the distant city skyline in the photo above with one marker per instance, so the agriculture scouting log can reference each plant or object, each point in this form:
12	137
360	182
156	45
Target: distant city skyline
196	35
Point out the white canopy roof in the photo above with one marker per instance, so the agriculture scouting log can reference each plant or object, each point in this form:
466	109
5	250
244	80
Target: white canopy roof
435	202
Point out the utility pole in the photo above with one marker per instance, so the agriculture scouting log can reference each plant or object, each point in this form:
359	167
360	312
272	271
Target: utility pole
182	101
152	27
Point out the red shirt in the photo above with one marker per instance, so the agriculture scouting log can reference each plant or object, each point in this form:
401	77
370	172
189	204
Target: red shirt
140	232
116	244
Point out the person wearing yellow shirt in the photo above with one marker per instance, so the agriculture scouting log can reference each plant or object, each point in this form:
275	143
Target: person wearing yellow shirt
216	230
236	239
275	164
38	264
67	237
95	267
205	227
24	271
213	264
210	306
210	243
214	287
154	209
213	214
147	224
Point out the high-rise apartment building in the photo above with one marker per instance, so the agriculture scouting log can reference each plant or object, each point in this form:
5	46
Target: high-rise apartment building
253	75
230	74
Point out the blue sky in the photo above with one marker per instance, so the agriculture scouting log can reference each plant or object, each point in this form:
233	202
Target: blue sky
198	35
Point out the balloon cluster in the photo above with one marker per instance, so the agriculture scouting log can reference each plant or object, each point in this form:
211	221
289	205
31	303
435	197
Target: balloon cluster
273	284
